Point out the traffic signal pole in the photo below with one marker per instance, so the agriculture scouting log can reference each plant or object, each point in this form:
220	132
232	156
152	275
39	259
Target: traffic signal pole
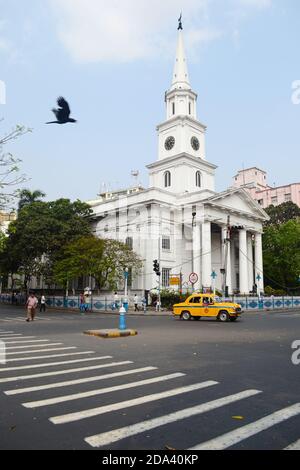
227	253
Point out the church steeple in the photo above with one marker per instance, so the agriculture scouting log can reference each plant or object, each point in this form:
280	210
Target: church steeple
180	75
180	98
181	133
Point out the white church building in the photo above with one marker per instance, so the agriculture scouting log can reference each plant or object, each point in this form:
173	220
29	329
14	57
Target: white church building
180	220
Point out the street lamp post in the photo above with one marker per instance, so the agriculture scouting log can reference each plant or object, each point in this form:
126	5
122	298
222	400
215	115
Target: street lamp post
124	306
193	234
125	303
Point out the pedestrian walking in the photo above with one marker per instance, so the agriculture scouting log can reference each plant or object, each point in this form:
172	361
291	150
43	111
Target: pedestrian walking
31	304
157	307
136	303
86	301
81	302
43	304
116	301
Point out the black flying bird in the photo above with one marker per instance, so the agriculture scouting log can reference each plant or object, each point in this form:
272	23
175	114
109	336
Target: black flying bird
62	113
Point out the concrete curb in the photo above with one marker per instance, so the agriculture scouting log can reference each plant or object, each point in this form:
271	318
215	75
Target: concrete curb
111	333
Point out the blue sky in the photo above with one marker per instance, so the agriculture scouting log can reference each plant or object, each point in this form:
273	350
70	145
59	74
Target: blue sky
114	60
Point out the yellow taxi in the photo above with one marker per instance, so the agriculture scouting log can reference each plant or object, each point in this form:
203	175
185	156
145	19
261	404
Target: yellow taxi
207	305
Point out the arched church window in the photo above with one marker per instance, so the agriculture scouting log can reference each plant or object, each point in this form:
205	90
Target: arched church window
167	179
198	179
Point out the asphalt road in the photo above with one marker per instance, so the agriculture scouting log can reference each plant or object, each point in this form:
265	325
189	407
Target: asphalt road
177	384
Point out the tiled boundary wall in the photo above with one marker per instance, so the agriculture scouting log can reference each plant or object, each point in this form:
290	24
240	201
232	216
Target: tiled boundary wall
106	304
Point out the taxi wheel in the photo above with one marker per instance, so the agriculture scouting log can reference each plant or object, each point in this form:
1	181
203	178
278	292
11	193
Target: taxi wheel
223	317
186	316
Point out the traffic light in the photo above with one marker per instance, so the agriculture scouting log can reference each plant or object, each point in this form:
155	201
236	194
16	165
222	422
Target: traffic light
156	267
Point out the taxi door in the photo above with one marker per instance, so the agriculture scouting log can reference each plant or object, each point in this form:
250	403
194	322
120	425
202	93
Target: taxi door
208	307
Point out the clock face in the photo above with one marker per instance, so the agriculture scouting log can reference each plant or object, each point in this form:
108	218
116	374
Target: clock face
195	143
170	142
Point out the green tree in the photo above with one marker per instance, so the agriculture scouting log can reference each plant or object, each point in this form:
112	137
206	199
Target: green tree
282	213
282	254
27	197
36	238
83	257
103	260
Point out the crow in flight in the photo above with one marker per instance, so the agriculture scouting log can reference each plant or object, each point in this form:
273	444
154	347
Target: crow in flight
62	113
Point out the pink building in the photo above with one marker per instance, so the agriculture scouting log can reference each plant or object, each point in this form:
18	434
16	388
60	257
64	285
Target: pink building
255	181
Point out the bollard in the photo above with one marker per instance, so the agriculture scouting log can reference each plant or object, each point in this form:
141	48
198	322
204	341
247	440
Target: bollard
122	320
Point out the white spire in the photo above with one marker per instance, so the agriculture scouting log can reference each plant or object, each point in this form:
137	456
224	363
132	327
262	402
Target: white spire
181	75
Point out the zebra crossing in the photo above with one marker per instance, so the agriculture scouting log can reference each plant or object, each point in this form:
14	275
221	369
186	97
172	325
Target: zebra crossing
21	319
25	377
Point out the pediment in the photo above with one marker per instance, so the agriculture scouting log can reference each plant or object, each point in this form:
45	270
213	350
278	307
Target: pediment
238	200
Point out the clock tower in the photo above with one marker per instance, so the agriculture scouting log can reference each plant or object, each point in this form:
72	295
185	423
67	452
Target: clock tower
181	138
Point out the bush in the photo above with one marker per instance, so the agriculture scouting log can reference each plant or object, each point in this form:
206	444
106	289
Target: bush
276	292
169	298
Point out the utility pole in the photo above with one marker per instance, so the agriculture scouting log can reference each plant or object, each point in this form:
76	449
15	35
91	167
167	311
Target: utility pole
226	254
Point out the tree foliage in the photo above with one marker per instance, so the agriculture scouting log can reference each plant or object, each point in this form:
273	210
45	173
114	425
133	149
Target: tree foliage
282	254
36	239
282	213
27	197
103	260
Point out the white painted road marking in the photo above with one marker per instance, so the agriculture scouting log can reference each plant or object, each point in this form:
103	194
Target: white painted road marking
67	371
79	381
50	364
238	435
28	341
108	438
68	418
92	393
50	356
294	446
40	351
34	346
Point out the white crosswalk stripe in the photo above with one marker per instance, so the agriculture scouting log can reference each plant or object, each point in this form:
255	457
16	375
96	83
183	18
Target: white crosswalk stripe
50	364
92	393
80	381
28	341
240	434
10	335
294	446
66	371
35	358
40	351
29	346
108	438
77	416
21	337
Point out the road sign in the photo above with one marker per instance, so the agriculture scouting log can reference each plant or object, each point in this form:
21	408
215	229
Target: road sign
174	281
194	278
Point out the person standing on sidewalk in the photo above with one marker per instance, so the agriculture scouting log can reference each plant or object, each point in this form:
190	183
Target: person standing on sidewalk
31	304
116	301
43	304
136	303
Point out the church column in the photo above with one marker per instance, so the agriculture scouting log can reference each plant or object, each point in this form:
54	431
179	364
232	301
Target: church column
226	258
243	263
196	265
250	262
206	254
259	273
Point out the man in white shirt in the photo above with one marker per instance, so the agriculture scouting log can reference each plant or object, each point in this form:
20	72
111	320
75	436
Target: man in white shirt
136	303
